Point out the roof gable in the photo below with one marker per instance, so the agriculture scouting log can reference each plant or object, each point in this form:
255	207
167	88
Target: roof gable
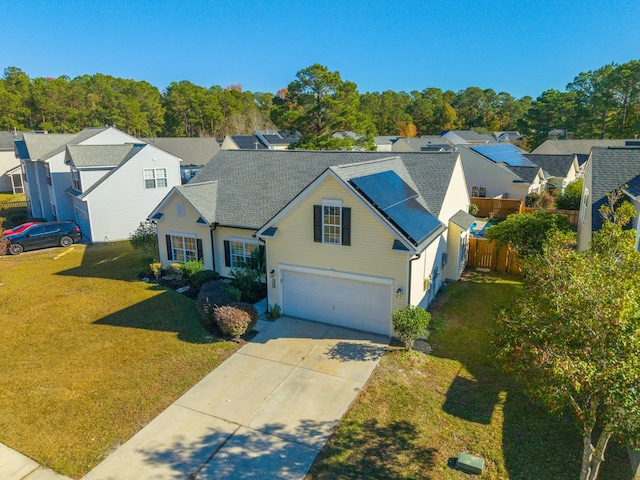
92	156
193	151
556	165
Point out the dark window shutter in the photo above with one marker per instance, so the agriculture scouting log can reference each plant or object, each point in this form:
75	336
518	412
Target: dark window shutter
227	253
199	249
169	249
346	226
317	223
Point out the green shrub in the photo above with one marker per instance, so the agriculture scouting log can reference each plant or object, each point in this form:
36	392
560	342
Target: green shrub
410	323
190	268
473	209
203	276
570	198
251	310
145	239
248	281
532	200
274	312
211	295
232	321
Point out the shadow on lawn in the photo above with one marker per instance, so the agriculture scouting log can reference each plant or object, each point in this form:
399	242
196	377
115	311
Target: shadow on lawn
385	451
535	443
115	261
175	313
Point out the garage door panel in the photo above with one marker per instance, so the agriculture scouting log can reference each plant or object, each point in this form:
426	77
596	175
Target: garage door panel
344	302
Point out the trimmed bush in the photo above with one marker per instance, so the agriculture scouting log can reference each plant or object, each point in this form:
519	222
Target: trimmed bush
232	321
411	323
251	310
211	295
156	268
473	209
203	276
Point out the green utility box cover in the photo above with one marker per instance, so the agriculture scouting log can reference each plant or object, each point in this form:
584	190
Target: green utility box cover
470	464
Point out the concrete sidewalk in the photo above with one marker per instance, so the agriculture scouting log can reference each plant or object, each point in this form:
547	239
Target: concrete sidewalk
16	466
263	413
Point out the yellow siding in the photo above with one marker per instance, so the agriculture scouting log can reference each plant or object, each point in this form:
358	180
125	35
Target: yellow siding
220	234
453	252
370	252
171	222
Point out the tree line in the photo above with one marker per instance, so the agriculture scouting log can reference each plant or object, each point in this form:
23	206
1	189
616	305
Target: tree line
604	103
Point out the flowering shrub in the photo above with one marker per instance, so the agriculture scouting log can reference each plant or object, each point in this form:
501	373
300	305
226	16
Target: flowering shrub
232	321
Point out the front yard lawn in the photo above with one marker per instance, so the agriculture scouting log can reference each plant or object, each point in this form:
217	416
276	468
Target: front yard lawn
419	411
90	354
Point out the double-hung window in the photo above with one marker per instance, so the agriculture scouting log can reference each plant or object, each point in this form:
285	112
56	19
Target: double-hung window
155	177
479	191
240	253
332	222
184	248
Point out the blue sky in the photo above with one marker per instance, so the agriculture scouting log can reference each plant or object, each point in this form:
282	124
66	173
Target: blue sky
521	47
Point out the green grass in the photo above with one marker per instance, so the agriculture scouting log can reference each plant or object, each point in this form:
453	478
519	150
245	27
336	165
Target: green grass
89	354
419	411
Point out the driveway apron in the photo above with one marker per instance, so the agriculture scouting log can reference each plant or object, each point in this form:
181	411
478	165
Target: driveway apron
264	413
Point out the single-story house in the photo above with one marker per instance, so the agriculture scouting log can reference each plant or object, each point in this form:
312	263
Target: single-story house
607	169
559	170
350	237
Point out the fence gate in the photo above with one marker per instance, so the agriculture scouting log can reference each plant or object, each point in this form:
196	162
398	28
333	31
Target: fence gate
484	253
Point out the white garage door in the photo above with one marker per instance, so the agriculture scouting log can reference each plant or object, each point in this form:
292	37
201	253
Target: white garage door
358	304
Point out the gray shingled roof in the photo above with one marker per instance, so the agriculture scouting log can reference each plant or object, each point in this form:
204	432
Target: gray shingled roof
581	146
193	151
39	146
256	185
528	174
7	140
556	165
203	197
87	156
463	219
612	167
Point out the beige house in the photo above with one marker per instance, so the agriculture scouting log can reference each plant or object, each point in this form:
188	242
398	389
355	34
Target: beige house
350	237
559	170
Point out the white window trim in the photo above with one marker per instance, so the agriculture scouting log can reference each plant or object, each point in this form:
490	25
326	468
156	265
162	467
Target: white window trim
332	203
75	180
244	241
155	177
184	250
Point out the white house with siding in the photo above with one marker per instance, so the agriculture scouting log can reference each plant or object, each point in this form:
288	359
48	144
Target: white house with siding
115	186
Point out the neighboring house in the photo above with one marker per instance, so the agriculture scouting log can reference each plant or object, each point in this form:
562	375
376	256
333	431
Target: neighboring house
383	143
277	139
195	152
607	169
261	140
426	143
464	137
509	137
46	176
500	171
242	142
10	171
350	236
581	148
560	170
115	186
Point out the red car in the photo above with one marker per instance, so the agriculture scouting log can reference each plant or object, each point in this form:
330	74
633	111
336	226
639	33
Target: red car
19	228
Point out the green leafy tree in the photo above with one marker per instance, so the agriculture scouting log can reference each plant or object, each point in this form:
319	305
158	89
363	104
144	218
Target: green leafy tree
145	240
318	103
527	232
573	334
570	198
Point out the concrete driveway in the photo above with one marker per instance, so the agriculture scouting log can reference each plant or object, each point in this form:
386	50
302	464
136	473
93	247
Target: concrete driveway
264	413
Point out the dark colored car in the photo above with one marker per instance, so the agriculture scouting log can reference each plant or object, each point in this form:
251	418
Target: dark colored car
19	228
43	235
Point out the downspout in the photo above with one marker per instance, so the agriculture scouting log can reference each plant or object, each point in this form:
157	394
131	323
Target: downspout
213	250
415	257
266	272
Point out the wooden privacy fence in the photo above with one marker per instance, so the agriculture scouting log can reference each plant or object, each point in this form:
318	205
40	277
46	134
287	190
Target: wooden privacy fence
4	207
497	207
572	215
484	253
